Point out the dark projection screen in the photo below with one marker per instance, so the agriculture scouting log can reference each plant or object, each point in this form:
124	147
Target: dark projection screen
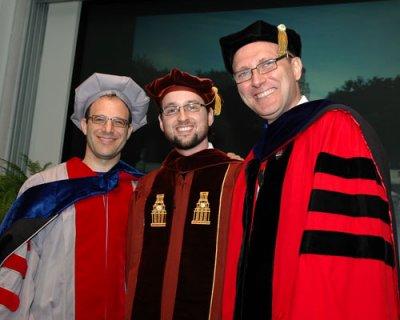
351	54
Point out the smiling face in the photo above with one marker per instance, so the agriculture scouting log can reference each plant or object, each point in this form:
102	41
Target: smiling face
273	93
187	131
105	142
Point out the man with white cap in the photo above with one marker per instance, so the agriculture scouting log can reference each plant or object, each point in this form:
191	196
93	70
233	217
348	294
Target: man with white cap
63	240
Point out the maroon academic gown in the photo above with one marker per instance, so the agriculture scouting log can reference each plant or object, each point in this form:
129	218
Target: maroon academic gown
312	232
176	261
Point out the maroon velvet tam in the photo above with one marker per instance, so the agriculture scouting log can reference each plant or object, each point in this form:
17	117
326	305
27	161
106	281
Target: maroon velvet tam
178	80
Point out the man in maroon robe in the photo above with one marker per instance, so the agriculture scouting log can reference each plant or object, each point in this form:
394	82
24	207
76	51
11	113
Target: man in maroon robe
312	232
179	222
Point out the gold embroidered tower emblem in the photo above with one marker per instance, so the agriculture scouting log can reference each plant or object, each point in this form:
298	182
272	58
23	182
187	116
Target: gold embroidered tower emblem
201	214
158	214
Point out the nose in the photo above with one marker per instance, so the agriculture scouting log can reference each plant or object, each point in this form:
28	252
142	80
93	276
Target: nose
257	79
182	114
108	126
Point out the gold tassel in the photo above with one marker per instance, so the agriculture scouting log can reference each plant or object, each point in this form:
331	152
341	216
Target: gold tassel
282	40
218	102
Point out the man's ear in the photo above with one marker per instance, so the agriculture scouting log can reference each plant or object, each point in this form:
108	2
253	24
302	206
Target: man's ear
130	130
160	123
84	126
210	116
297	67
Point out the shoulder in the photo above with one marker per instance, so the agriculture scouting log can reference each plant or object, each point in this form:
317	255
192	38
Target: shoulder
58	172
341	121
147	179
341	112
228	156
344	133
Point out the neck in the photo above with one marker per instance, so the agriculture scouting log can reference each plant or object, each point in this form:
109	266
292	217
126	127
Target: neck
295	103
188	152
100	165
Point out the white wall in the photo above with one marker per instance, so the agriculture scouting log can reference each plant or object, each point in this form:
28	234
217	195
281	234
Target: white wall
7	9
54	82
13	20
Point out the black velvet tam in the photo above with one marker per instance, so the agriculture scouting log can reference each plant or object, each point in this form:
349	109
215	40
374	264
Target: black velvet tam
257	31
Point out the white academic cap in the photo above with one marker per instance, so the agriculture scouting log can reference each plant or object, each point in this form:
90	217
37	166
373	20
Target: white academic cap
100	84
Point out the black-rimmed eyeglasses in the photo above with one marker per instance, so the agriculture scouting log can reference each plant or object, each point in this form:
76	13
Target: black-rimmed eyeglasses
102	120
262	68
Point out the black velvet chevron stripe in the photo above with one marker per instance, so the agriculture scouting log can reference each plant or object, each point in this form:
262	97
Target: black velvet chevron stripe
359	205
255	286
350	168
347	245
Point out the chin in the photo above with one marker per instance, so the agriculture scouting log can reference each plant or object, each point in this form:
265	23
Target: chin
185	144
266	111
106	155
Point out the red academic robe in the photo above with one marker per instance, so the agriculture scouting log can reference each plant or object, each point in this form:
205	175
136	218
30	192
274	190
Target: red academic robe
101	221
332	254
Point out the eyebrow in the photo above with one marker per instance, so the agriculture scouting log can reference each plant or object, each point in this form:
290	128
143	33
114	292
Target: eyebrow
186	102
110	117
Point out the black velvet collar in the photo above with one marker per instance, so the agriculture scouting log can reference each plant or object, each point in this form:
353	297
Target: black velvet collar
289	124
205	158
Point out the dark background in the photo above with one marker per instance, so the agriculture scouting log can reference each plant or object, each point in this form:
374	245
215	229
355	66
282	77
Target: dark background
105	42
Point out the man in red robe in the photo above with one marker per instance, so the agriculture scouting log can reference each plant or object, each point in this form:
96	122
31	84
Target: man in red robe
312	232
179	223
63	241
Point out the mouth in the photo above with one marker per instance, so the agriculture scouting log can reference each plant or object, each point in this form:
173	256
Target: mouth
264	94
106	140
184	129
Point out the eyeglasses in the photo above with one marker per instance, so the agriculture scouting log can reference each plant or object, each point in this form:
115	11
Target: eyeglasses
262	68
102	120
172	110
